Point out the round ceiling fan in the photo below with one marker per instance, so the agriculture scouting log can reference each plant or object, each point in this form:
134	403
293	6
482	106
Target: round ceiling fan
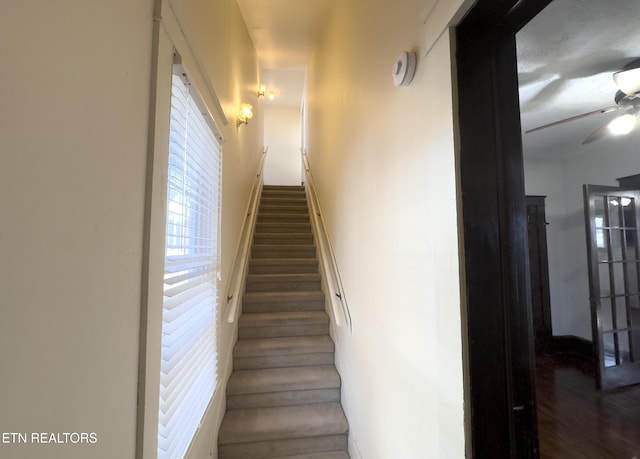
627	101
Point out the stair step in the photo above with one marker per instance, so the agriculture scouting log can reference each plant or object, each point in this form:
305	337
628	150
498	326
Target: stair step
284	195
283	387
287	345
283	448
283	251
300	191
282	301
255	353
283	379
282	209
288	200
276	424
276	188
279	227
285	398
278	324
283	218
282	282
283	238
326	455
283	266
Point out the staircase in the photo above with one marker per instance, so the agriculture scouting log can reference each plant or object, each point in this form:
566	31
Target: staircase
283	397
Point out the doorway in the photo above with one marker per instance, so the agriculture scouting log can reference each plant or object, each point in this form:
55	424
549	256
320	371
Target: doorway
494	223
501	344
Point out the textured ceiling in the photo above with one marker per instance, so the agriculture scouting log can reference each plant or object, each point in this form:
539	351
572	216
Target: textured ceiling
566	58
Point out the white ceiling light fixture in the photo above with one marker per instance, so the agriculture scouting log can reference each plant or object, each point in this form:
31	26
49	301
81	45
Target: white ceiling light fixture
628	81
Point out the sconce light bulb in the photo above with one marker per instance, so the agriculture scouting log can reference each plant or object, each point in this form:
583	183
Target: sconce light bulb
244	114
246	111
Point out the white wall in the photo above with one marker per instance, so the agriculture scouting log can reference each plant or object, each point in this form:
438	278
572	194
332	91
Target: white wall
74	128
383	160
598	163
283	165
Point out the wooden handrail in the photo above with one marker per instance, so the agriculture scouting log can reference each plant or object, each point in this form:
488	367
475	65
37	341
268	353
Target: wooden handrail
328	263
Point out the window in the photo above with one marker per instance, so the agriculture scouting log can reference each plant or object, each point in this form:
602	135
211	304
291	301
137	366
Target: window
189	362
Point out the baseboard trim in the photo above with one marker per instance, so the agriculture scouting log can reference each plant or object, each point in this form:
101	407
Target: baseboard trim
571	344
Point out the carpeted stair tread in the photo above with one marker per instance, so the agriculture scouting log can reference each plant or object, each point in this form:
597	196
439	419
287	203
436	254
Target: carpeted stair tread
279	227
279	277
283	250
279	324
325	455
283	379
283	266
290	345
283	448
283	209
283	238
290	200
283	301
270	217
282	297
280	423
272	319
276	188
283	282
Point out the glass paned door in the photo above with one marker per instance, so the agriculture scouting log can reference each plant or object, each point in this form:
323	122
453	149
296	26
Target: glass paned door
612	243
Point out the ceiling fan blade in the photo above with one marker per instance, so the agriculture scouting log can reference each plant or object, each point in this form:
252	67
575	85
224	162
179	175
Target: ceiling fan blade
573	118
604	130
597	134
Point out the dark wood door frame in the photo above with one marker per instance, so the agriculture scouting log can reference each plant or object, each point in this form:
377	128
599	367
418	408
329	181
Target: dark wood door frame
539	273
502	412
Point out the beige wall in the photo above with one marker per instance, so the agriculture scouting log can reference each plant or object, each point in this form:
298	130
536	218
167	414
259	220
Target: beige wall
73	123
383	160
283	165
74	113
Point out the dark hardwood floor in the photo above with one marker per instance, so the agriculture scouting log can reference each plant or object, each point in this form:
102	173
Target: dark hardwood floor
575	421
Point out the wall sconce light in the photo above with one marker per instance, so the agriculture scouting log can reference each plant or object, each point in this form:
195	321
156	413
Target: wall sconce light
271	95
262	90
245	114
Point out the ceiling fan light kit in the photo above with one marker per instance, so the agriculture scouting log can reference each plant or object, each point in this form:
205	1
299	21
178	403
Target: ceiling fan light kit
623	125
627	99
628	81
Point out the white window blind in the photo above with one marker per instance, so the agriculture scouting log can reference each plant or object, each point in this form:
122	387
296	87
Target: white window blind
189	362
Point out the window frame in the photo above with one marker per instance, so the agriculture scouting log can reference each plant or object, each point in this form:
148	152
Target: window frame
169	41
191	304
